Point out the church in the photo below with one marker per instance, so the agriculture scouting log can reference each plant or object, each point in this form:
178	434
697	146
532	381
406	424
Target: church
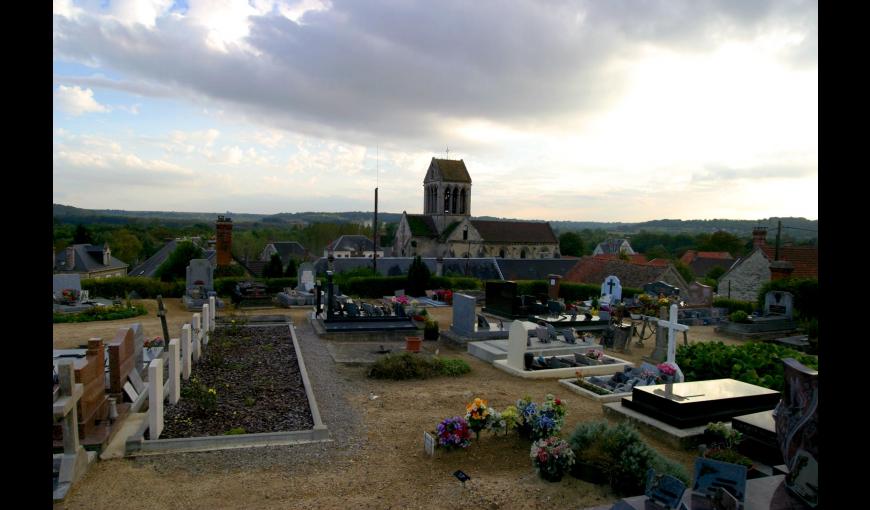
445	229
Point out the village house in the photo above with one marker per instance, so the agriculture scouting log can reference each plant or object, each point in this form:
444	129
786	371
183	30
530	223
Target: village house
593	270
90	261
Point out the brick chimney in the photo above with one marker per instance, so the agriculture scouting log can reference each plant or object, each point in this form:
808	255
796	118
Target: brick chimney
224	240
759	236
780	269
70	258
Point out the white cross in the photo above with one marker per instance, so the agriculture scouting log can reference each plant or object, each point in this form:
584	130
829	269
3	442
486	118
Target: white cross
673	326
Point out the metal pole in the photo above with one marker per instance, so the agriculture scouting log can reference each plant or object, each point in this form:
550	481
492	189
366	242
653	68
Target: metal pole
375	236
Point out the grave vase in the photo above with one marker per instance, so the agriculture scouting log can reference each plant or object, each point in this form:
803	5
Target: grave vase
552	477
412	343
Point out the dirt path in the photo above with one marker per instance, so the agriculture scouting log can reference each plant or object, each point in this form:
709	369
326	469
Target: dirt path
376	460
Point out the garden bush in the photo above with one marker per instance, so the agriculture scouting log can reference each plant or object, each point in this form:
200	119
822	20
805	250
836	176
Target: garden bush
101	313
120	286
758	363
405	365
738	316
619	455
734	305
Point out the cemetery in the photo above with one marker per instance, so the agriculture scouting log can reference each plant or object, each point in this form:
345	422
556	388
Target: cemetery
250	380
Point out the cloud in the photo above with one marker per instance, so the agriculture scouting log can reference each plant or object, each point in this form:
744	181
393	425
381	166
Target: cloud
77	101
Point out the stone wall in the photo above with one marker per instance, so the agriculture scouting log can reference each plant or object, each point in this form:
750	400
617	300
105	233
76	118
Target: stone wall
744	281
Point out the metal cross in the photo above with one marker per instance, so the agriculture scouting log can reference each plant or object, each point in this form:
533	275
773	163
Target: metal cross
161	312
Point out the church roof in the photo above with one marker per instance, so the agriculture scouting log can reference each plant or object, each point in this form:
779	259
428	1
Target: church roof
452	170
422	225
502	231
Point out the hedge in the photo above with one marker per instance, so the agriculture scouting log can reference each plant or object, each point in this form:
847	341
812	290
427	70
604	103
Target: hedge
734	305
101	313
805	291
120	286
569	291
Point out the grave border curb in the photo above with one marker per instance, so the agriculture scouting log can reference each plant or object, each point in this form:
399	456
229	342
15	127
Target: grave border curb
604	399
138	445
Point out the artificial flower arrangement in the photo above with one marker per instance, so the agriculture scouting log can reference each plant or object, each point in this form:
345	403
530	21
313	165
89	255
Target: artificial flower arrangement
510	416
153	342
667	371
477	414
402	300
540	421
453	433
552	457
496	423
594	354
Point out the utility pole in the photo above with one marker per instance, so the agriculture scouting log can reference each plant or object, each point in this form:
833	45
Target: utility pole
375	235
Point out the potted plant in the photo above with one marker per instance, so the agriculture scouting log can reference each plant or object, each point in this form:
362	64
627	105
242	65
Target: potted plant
552	458
430	330
412	343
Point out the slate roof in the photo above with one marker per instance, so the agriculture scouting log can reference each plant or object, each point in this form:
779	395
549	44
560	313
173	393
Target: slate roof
452	170
255	267
637	258
611	245
88	257
149	267
805	259
422	225
288	249
534	269
594	270
351	243
483	268
505	231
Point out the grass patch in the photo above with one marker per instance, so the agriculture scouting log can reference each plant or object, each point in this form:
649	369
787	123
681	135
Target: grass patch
414	366
101	313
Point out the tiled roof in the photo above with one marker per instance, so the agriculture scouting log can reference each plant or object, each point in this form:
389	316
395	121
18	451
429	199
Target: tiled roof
287	249
422	225
483	268
503	231
659	262
636	258
255	267
805	259
452	170
611	245
594	270
692	255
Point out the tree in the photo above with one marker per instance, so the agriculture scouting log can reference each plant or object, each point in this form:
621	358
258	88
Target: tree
274	268
715	273
570	243
291	270
685	271
418	278
82	235
175	266
657	252
125	246
721	241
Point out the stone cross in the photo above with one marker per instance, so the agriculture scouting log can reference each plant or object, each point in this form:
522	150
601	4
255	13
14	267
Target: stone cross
212	313
161	312
75	458
673	326
155	398
196	328
204	325
174	372
185	351
517	339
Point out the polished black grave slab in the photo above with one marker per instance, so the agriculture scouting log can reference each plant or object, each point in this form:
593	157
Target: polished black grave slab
690	404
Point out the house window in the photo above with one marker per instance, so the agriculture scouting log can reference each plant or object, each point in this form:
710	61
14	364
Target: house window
501	253
523	253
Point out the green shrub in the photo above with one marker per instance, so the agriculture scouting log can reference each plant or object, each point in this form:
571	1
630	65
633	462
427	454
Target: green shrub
101	313
147	288
203	397
758	363
728	455
738	316
418	278
175	265
619	454
734	305
235	431
453	367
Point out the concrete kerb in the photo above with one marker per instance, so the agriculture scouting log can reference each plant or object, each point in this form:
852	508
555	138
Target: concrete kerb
137	444
612	397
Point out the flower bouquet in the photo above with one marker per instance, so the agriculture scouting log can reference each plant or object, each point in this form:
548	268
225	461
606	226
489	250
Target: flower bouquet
453	433
477	414
549	418
667	371
526	410
552	457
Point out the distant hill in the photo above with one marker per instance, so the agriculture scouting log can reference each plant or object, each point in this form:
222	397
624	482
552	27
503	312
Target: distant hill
803	228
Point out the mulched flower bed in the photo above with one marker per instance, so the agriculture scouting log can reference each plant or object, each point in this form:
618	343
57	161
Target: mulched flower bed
257	387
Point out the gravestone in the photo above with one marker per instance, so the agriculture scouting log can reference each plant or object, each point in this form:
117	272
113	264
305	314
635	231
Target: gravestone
660	287
660	350
797	430
196	336
778	302
518	338
74	460
61	282
613	288
664	489
429	444
155	398
200	278
700	294
464	314
138	345
122	359
186	346
712	476
305	277
501	299
174	372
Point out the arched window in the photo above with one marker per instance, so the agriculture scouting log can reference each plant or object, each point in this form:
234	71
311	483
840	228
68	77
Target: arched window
462	201
501	253
455	199
447	201
523	253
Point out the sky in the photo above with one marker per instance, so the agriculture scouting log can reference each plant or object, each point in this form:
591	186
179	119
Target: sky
562	110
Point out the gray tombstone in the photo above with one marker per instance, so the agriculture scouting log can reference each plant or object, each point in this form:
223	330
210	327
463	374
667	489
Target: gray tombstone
700	294
464	314
200	274
305	277
138	345
797	429
518	337
613	288
777	302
